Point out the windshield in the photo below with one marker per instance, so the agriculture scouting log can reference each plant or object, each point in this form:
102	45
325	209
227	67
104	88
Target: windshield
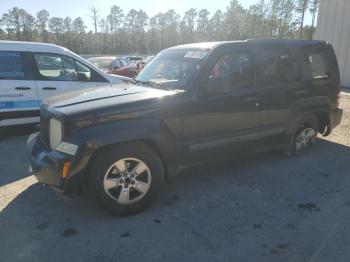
173	68
102	63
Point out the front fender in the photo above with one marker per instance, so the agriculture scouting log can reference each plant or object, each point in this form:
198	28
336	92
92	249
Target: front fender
90	139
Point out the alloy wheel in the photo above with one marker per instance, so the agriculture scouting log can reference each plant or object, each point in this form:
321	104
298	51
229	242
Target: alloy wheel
305	139
127	180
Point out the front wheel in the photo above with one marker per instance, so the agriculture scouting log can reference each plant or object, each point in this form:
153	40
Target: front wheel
125	179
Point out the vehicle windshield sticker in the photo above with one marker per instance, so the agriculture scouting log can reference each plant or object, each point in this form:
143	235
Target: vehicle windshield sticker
20	104
196	54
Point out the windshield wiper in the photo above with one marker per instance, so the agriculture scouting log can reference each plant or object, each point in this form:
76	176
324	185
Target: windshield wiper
150	83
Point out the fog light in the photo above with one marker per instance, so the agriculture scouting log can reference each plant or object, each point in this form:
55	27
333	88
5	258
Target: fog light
65	169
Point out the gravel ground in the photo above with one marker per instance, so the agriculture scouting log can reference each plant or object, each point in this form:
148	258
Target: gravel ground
269	208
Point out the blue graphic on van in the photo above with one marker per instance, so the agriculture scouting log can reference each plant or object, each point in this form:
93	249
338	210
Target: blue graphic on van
20	104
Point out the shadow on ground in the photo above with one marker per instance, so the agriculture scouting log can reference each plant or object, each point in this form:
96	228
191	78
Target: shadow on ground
267	208
10	132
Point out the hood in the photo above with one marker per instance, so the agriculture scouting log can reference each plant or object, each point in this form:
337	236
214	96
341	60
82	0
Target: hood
104	99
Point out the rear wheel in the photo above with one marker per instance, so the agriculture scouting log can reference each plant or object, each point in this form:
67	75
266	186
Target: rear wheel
125	179
304	137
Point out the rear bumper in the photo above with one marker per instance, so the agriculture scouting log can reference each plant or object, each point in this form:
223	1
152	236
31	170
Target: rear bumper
335	117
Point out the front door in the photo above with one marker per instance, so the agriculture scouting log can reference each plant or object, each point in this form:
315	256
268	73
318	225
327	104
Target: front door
57	74
224	118
19	103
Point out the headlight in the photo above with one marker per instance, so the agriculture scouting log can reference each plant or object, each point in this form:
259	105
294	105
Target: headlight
55	133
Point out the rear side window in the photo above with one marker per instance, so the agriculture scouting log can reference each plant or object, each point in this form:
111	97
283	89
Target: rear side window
279	66
319	65
13	66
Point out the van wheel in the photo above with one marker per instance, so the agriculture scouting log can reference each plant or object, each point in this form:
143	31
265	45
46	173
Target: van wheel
125	179
304	137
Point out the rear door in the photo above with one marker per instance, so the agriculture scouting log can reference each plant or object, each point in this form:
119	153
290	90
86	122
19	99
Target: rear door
280	85
19	103
57	74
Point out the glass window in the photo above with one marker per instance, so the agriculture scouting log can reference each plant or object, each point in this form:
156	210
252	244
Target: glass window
61	68
237	68
116	63
84	73
124	62
279	66
101	62
12	66
173	69
319	65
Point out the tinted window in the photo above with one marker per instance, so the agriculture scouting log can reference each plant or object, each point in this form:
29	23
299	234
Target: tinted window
13	66
235	67
319	65
61	68
279	66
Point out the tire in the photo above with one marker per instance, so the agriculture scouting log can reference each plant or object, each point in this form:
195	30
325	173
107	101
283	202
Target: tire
308	125
128	191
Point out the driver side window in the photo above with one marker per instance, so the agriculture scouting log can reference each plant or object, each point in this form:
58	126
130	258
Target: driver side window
54	67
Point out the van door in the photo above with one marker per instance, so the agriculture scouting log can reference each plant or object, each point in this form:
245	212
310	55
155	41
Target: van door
57	74
19	103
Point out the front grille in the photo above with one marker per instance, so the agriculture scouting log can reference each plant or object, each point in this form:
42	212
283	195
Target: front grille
44	129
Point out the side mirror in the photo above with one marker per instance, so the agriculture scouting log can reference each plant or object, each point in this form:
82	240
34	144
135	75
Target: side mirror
82	77
217	86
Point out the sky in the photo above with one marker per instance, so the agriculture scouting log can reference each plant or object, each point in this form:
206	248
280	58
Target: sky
73	8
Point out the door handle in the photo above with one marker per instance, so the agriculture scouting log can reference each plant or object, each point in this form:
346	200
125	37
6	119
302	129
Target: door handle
49	88
251	99
301	92
22	88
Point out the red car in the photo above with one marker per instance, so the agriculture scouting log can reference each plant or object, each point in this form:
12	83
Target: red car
116	65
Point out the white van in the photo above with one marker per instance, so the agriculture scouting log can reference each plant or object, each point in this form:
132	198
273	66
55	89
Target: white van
31	72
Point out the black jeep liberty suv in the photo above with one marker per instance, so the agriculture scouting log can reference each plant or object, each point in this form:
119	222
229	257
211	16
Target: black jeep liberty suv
191	104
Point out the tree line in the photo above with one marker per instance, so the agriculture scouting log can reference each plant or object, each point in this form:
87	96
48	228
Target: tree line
136	32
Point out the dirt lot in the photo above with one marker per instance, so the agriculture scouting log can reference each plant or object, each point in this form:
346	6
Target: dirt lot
270	208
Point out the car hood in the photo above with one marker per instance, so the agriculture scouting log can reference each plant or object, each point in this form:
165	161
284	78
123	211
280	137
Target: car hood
101	100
